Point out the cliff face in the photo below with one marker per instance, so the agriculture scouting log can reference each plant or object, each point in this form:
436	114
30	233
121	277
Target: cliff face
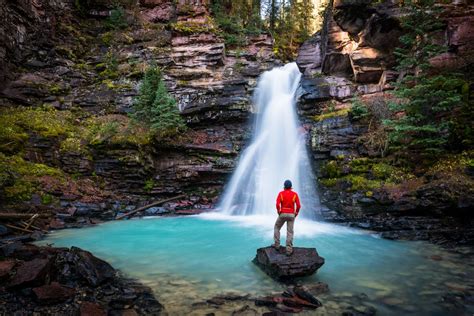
75	63
351	62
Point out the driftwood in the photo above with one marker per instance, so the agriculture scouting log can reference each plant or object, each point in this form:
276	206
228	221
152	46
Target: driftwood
22	215
18	228
140	209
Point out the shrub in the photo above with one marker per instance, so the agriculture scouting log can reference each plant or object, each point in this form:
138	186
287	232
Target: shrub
155	107
117	19
358	109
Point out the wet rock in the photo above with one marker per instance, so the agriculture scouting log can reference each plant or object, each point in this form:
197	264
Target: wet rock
31	273
305	294
303	262
94	270
91	309
309	56
3	230
317	288
6	267
245	311
53	293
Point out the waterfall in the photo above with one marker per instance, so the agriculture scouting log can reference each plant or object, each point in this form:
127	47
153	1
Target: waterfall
277	151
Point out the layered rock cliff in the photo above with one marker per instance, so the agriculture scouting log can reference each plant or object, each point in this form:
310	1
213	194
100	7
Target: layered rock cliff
351	63
76	65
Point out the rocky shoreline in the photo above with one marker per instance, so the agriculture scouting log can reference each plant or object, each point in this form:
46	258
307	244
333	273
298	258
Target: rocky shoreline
60	281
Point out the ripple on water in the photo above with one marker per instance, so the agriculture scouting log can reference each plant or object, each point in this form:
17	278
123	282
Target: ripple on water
190	259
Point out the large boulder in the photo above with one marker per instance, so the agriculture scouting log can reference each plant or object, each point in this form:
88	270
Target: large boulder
275	263
30	273
53	293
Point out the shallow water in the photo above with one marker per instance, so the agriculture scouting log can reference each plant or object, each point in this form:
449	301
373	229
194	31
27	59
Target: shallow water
190	259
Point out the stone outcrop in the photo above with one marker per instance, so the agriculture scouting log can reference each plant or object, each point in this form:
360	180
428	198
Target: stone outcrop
72	281
352	56
303	262
96	70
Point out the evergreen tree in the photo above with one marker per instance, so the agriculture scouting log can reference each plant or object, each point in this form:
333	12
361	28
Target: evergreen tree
428	101
155	107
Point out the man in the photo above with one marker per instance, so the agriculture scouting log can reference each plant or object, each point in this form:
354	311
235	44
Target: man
288	206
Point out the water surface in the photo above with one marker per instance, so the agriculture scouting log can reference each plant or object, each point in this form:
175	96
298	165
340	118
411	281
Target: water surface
190	259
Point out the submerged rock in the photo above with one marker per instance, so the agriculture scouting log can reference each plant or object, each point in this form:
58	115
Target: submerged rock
303	262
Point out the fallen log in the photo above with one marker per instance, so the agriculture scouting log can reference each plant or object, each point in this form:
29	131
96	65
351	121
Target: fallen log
18	228
140	209
22	215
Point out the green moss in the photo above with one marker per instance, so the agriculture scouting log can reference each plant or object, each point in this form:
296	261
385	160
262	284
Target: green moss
66	52
23	176
382	171
360	183
188	27
149	184
116	129
329	182
17	123
331	169
73	144
332	114
107	38
359	165
55	89
116	86
47	199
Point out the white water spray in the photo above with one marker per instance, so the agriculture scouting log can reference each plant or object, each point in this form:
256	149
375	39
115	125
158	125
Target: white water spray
277	152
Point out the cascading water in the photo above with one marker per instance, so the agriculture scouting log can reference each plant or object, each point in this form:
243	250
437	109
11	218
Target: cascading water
277	151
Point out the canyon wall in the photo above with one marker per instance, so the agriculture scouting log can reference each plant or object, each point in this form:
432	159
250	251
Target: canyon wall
72	62
350	62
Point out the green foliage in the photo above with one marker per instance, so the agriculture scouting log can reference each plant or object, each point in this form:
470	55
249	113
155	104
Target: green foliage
361	174
17	123
358	110
110	65
155	107
330	114
111	129
331	169
430	102
290	23
235	20
117	19
361	183
191	27
20	178
82	6
149	184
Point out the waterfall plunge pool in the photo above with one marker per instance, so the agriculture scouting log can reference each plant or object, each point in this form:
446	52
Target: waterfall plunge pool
191	259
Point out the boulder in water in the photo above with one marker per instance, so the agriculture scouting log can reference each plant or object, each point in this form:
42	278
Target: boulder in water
275	263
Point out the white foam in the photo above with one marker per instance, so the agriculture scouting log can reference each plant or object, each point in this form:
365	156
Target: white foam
264	224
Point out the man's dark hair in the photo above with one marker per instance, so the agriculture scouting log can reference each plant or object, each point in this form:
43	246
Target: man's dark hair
287	184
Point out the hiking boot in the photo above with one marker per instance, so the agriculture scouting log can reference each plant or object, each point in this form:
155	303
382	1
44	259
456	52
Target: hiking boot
289	253
277	248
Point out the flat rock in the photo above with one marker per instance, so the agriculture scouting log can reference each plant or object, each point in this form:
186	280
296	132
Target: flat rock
53	293
303	262
6	267
91	309
31	273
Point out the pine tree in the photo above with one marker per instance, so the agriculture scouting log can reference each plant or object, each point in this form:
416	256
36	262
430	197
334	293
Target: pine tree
155	107
428	100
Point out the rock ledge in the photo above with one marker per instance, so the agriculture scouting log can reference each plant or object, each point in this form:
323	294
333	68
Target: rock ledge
303	262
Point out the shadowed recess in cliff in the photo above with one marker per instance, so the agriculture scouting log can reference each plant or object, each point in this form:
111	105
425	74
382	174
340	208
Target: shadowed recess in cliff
277	151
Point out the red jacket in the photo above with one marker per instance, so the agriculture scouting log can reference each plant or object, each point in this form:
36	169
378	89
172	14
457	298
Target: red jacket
286	200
